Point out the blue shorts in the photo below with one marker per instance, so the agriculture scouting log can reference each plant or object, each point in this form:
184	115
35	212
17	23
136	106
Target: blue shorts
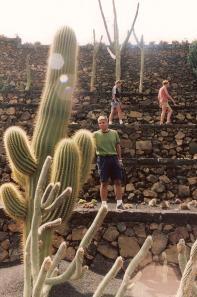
109	167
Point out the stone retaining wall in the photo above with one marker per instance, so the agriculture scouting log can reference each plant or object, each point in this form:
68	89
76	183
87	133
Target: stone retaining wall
115	237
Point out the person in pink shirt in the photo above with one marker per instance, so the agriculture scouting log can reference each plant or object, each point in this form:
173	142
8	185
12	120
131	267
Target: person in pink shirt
163	97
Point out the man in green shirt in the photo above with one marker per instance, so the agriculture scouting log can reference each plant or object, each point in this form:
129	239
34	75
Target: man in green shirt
109	160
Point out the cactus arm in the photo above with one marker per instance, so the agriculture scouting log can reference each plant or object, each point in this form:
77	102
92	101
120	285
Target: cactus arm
65	276
28	73
116	32
95	52
182	258
49	225
18	150
84	139
84	244
131	29
105	23
27	290
187	284
36	220
164	268
108	277
37	290
65	169
94	227
133	265
79	268
57	258
45	196
59	200
111	274
140	44
14	203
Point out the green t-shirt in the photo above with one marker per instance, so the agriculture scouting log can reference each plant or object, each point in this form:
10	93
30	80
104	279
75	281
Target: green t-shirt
106	142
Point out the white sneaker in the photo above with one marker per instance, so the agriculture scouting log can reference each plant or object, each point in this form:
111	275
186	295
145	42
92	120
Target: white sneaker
110	122
121	122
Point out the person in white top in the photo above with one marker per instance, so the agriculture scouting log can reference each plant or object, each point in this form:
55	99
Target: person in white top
115	103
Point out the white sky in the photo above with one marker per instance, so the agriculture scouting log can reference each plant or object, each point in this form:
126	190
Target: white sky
37	20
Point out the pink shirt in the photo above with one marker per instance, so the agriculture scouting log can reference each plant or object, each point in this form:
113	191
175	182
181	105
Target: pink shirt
163	95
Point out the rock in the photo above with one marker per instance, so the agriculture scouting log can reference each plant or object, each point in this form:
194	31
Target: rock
111	233
194	194
135	114
178	233
130	187
128	246
179	135
172	255
153	226
169	195
57	240
5	244
126	143
139	230
121	227
160	241
11	110
3	254
180	116
69	253
158	187
167	227
149	193
14	227
183	191
25	116
144	145
78	233
152	178
164	179
129	232
3	236
192	180
108	251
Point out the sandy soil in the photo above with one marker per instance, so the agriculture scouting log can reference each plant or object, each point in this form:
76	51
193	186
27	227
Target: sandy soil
152	281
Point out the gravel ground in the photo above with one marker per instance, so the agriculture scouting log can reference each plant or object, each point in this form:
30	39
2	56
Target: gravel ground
11	282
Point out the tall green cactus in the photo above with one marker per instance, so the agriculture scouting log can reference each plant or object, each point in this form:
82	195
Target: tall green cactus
26	158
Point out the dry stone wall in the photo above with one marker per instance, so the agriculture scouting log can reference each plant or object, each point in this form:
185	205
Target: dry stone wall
114	238
141	137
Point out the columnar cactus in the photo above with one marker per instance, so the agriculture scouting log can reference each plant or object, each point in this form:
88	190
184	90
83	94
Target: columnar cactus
115	46
26	158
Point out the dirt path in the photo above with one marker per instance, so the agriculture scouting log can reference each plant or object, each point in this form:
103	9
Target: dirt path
151	282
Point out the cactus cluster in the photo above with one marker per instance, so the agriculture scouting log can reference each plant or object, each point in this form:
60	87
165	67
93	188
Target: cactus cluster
70	165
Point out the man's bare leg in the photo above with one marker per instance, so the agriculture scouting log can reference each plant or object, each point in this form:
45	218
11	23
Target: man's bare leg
163	113
169	116
104	191
111	116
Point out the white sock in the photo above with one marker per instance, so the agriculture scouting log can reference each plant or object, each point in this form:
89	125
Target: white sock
104	203
119	202
121	121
